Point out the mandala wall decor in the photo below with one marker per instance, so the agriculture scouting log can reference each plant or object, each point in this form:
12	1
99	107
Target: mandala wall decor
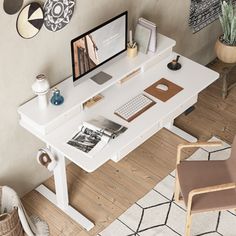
58	13
12	6
30	20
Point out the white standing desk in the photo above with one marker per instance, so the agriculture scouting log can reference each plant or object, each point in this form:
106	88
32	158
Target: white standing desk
56	125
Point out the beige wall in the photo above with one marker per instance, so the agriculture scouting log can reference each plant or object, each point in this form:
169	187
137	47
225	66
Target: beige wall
21	60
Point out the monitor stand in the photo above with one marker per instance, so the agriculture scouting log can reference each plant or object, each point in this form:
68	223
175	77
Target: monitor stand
101	77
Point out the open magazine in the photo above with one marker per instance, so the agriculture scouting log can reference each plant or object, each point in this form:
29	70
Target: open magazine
94	134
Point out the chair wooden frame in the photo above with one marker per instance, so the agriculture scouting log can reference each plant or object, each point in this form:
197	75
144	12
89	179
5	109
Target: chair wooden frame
197	191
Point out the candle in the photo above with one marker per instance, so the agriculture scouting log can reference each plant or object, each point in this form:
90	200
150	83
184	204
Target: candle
130	38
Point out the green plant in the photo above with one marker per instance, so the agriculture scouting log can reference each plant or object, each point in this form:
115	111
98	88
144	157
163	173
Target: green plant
228	22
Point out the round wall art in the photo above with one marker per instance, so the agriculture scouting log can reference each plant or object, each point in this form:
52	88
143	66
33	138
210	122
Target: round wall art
30	20
58	13
12	6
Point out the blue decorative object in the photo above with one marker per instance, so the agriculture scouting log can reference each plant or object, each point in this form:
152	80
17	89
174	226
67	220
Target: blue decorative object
57	99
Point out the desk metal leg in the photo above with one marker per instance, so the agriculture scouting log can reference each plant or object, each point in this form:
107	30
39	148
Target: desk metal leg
181	133
60	199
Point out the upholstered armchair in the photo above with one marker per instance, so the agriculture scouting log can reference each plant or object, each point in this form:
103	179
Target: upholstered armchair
205	185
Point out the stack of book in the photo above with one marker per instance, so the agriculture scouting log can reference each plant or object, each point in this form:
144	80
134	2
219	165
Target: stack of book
146	35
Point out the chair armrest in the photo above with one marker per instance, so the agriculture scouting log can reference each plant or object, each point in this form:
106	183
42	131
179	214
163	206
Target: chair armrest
215	188
194	145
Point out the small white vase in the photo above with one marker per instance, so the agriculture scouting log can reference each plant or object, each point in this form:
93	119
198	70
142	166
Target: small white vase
41	88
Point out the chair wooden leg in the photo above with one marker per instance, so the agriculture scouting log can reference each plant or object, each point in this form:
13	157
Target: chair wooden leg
177	188
188	224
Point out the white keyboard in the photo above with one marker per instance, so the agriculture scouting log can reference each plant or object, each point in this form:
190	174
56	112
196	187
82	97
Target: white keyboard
135	107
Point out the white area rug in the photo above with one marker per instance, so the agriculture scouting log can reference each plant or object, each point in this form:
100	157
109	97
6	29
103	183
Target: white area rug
158	214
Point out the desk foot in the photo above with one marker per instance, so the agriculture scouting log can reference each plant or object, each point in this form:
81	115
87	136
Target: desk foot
69	210
181	133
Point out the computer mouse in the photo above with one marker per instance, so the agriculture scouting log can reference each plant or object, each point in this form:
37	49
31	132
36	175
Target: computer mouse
162	87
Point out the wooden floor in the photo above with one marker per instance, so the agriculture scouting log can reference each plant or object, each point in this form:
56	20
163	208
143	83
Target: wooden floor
106	193
213	116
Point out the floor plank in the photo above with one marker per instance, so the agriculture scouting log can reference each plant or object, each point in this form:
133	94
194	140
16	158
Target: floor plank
59	223
89	202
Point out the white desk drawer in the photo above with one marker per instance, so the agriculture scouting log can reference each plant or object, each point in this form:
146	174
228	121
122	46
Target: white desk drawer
178	111
136	142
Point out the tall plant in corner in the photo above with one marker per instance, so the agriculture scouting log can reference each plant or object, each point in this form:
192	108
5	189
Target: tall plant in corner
228	23
226	43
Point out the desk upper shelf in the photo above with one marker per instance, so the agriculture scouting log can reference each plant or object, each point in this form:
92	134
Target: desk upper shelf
46	120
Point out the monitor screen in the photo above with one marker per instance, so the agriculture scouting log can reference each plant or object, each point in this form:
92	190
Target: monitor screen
98	46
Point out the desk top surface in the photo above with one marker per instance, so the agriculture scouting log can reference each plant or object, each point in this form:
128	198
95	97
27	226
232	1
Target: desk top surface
193	77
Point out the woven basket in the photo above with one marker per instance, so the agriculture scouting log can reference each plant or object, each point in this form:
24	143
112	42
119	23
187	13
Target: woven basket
10	225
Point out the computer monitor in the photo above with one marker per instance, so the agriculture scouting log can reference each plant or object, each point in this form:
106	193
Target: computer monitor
98	46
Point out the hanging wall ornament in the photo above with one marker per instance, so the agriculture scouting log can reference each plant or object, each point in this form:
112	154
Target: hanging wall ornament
58	13
30	20
12	6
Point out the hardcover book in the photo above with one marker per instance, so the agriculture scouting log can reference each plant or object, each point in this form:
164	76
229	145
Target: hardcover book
142	37
152	26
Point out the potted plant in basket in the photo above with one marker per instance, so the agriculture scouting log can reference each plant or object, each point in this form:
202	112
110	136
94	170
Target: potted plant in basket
225	47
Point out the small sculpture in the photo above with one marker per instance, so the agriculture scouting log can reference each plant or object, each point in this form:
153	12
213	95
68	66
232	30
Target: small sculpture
174	64
41	88
57	98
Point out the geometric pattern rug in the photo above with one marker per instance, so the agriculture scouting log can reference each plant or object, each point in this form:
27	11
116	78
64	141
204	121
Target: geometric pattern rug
158	214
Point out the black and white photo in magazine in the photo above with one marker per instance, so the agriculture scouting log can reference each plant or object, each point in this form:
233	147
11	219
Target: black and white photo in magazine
94	134
86	139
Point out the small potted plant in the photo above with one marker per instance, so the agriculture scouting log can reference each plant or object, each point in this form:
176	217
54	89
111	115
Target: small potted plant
225	47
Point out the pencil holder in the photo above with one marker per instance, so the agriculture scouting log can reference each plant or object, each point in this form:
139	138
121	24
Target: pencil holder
132	52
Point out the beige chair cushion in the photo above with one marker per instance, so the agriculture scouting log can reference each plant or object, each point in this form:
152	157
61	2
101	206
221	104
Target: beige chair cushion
199	174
